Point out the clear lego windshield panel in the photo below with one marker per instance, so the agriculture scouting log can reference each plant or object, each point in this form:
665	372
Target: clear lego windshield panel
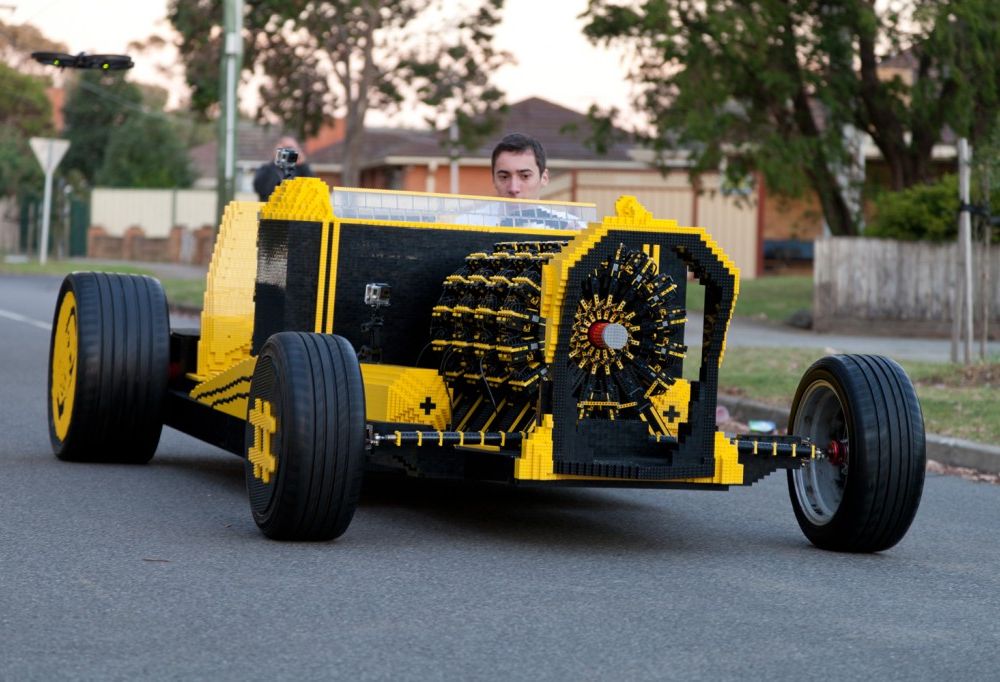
415	207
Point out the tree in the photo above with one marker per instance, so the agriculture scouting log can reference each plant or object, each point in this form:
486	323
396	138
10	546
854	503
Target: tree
97	106
922	212
24	112
18	41
145	152
774	86
350	56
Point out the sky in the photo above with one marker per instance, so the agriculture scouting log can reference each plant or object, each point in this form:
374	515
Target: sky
553	58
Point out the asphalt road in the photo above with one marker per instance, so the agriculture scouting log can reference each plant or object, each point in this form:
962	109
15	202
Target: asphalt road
158	572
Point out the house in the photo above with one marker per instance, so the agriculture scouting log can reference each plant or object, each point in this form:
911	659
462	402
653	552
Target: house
419	160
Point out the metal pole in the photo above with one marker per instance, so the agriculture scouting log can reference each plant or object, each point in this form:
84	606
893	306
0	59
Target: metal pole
965	244
43	246
453	153
232	62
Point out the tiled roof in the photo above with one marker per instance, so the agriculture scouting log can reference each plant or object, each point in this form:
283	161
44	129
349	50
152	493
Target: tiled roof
561	131
254	145
379	143
553	125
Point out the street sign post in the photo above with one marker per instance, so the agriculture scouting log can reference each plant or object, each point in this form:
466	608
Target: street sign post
49	152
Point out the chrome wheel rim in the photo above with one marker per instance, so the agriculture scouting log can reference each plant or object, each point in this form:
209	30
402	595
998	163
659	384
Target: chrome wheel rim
819	485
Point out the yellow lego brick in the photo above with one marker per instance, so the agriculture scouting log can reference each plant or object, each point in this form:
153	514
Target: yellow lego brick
228	311
673	402
229	390
728	470
410	395
535	462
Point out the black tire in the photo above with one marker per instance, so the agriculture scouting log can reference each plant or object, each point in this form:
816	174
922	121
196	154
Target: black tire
109	360
305	436
863	411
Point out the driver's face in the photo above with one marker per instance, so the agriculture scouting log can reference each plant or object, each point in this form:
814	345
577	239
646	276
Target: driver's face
516	176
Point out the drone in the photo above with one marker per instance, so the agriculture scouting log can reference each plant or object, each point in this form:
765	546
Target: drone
105	62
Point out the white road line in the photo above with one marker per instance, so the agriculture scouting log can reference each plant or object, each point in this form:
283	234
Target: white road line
27	320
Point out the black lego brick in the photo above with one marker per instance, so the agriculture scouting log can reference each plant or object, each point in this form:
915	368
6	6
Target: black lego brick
588	445
287	276
414	262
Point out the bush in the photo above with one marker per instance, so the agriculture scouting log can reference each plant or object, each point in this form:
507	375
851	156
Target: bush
922	212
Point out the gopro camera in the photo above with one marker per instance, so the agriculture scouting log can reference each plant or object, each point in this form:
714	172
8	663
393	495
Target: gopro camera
377	295
285	159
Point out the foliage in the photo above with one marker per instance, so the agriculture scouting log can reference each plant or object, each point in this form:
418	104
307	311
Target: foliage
922	212
24	107
119	135
97	105
145	152
18	41
771	86
24	112
18	167
350	56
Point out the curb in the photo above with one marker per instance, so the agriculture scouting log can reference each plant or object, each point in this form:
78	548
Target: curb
944	449
188	310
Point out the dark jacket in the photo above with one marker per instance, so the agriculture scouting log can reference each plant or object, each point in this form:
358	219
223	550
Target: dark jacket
268	177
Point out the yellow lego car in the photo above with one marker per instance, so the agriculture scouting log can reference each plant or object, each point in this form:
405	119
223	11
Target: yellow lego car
463	337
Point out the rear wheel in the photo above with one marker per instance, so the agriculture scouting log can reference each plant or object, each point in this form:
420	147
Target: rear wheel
863	412
108	366
305	436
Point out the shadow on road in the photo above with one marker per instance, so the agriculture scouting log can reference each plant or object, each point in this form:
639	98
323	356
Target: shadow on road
571	519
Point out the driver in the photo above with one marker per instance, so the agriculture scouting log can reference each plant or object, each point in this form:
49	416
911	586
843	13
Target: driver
518	167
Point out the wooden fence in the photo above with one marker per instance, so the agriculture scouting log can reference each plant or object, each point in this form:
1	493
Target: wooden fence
883	285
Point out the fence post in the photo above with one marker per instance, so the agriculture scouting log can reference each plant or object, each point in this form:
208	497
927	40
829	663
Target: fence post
965	247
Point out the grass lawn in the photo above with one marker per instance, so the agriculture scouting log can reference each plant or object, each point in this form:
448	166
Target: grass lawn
956	401
64	267
186	292
767	298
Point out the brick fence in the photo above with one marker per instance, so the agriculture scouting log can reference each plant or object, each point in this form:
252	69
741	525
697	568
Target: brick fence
180	246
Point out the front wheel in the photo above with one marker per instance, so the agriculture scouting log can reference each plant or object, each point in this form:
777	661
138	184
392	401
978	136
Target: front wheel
109	360
863	412
305	436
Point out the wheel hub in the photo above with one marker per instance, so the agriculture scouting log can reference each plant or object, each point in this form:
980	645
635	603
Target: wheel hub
608	335
836	452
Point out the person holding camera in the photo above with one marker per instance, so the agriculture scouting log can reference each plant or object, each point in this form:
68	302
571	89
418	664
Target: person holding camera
269	175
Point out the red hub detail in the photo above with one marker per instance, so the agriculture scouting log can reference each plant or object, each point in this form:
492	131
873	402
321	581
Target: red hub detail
836	452
596	334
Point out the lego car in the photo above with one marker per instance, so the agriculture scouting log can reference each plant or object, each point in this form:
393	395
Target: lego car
522	342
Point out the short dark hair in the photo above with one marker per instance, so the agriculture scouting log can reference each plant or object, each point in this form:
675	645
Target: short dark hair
517	143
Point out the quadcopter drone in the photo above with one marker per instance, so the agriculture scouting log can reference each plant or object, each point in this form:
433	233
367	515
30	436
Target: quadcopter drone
105	62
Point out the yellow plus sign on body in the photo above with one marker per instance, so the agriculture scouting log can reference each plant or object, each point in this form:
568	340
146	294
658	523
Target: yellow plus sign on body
264	426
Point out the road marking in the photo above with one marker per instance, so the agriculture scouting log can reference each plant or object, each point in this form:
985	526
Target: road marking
27	320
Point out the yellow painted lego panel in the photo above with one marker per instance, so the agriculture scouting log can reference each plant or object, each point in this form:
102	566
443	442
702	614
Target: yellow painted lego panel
228	391
409	395
227	315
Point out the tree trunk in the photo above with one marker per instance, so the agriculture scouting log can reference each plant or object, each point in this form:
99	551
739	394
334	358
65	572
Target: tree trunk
354	136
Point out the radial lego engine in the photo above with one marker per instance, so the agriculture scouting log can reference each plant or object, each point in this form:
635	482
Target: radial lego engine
491	336
624	343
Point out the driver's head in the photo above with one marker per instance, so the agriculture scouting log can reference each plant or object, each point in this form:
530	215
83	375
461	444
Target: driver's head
518	165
